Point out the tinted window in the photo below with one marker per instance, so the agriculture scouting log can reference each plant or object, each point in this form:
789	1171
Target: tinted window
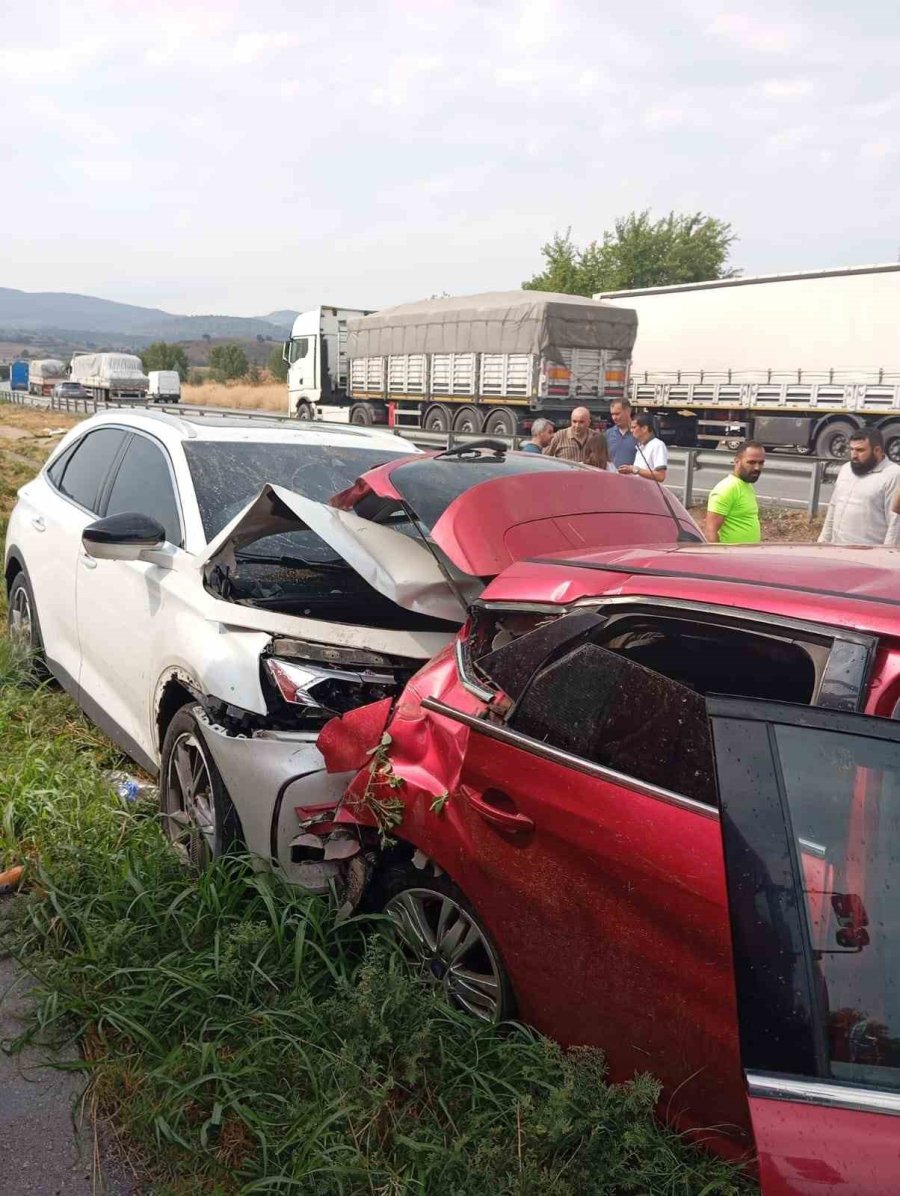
89	464
228	475
606	709
56	470
144	485
431	485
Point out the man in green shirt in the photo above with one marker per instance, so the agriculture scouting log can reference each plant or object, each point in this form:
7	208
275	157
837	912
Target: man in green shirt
732	516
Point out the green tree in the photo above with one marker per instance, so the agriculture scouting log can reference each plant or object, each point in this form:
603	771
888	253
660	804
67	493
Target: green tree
228	361
162	356
276	365
639	252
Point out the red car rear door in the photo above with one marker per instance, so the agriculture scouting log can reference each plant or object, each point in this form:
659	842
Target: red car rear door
816	944
603	884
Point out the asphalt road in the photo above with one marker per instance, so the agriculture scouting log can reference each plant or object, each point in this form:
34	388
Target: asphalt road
44	1151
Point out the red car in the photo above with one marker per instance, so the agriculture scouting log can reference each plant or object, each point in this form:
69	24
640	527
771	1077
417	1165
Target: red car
565	778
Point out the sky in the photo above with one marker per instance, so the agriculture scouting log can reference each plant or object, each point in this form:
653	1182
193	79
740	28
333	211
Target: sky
211	156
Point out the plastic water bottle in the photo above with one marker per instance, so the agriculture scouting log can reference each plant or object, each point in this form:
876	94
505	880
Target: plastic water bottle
127	787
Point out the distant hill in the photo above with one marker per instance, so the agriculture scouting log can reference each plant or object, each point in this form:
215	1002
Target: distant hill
83	318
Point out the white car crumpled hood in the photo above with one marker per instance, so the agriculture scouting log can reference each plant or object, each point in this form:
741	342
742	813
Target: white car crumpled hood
398	567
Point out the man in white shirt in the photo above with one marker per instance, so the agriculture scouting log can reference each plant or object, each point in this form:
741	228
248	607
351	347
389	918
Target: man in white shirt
861	507
652	457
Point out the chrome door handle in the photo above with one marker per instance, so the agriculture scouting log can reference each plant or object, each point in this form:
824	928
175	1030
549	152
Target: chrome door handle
89	562
38	523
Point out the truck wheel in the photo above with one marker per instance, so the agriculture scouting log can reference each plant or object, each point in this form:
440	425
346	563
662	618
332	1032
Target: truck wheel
468	421
304	411
834	440
437	418
502	422
891	433
362	414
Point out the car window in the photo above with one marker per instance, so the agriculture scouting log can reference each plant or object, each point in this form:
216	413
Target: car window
87	467
228	474
57	469
143	484
609	710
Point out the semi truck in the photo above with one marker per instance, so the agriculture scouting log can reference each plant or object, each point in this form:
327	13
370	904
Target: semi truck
18	375
44	374
110	376
485	363
796	361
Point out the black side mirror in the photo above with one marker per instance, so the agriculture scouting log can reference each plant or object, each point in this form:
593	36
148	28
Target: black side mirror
122	537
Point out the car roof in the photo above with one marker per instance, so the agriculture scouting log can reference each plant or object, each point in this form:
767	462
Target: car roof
849	587
184	425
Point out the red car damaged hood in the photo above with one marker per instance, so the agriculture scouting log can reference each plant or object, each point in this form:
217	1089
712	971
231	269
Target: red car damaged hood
485	513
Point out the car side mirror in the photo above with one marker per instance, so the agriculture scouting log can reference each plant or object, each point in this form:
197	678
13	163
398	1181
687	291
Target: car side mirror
123	537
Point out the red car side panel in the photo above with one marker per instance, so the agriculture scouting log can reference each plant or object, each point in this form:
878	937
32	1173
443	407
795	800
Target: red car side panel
810	1150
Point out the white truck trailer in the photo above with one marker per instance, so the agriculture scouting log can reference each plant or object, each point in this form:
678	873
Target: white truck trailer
793	360
44	374
479	363
110	376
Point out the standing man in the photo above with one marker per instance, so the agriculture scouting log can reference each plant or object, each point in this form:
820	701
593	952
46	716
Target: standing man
732	513
572	443
541	435
651	457
621	443
862	501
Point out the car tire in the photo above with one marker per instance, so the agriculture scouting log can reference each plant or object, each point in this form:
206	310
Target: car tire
198	816
417	902
24	625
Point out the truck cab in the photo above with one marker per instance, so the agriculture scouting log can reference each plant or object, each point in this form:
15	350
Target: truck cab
317	359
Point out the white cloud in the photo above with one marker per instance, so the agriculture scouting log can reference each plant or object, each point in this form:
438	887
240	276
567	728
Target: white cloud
787	89
251	47
749	33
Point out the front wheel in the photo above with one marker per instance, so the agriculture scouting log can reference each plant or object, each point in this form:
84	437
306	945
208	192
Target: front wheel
304	411
198	816
447	944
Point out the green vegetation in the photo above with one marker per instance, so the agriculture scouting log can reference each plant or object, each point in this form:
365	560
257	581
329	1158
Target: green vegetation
227	362
162	356
276	365
639	252
246	1041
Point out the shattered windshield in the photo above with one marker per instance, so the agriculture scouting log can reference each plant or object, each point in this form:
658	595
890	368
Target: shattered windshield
228	474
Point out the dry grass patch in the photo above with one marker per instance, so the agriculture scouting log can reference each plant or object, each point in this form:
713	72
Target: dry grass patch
269	396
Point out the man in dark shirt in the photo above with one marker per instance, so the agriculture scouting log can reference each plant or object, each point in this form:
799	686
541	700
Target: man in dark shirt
619	438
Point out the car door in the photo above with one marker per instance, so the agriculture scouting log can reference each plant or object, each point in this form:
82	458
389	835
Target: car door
58	506
588	841
121	605
810	824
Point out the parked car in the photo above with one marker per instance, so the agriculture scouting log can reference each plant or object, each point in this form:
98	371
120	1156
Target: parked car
567	777
181	571
70	390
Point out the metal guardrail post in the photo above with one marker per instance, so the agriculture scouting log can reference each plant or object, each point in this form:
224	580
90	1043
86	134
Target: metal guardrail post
687	490
815	488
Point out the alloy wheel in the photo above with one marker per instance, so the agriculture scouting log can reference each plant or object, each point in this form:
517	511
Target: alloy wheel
450	950
21	622
190	813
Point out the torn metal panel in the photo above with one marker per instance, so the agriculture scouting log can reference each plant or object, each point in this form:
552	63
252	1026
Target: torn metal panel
398	567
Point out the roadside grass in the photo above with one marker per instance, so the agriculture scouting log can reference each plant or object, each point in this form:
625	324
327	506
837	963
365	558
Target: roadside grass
268	396
244	1041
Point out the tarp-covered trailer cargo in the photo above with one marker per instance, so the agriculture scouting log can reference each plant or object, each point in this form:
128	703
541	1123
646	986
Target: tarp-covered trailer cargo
110	375
488	363
44	374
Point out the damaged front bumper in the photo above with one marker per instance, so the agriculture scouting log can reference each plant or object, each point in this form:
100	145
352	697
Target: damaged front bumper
272	777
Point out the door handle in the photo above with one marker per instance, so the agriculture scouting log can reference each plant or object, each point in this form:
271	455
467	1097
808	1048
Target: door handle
89	562
499	810
38	523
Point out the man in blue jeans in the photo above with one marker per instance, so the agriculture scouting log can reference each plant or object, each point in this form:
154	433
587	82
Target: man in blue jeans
619	438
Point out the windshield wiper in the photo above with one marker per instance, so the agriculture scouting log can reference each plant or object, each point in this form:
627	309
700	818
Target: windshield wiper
293	562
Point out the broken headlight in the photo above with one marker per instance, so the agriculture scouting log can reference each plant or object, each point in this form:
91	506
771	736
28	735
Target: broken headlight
332	690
